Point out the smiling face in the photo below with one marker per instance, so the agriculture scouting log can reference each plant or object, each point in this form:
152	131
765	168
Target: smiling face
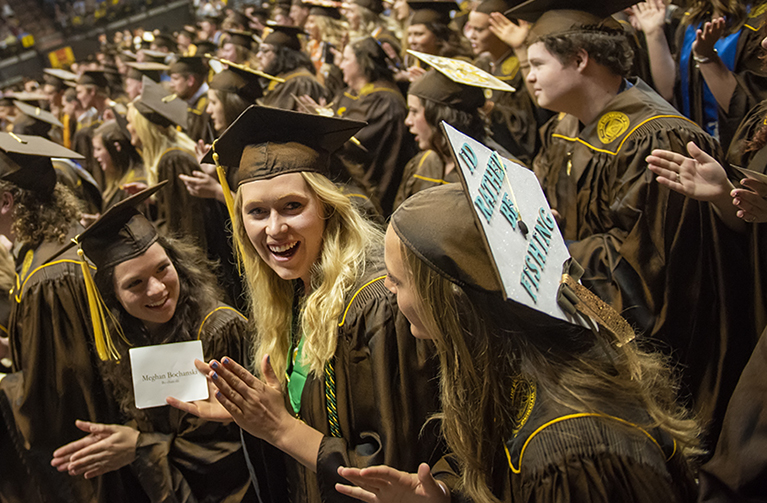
284	221
553	83
353	75
148	287
419	38
101	154
399	282
416	121
478	32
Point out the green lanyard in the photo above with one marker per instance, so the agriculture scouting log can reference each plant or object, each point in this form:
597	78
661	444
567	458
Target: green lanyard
296	373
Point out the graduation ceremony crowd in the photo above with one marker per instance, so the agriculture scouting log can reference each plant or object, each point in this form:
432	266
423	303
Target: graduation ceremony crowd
277	182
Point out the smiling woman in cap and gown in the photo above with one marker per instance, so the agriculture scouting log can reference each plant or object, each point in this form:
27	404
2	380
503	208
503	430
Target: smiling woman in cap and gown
280	55
344	382
535	406
642	245
158	291
55	377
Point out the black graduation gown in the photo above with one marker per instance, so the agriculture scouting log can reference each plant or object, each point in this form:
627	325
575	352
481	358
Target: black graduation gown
55	379
388	145
665	262
297	83
385	390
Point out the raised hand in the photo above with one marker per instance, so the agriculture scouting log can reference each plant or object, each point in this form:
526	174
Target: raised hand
650	15
699	177
106	448
510	33
706	37
202	185
383	484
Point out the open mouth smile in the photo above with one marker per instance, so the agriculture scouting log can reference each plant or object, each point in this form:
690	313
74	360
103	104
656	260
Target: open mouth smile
286	250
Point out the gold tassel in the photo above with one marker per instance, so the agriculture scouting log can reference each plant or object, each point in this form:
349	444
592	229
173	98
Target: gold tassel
104	345
221	172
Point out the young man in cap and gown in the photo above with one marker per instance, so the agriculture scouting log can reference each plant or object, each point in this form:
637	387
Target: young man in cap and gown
657	257
55	378
188	79
93	95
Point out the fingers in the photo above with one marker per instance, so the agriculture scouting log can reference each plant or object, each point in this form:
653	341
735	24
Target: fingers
357	493
756	186
239	371
202	366
698	154
749	202
270	376
188	407
428	482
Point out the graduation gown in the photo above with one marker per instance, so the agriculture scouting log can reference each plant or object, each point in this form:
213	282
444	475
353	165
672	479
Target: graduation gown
738	470
385	388
422	172
388	145
180	457
55	377
81	183
665	262
115	194
297	83
559	455
749	73
202	220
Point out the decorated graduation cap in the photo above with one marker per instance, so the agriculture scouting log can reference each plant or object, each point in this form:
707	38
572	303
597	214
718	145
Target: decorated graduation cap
557	16
502	239
241	38
121	233
454	83
432	12
193	65
159	107
283	35
238	80
38	114
148	68
25	160
96	78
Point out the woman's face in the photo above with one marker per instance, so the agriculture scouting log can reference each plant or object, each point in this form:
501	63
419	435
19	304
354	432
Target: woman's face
400	284
101	154
134	139
216	111
416	121
148	287
312	28
284	220
419	38
265	55
350	67
229	52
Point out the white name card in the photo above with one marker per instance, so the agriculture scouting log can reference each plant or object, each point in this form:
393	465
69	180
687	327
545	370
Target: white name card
167	370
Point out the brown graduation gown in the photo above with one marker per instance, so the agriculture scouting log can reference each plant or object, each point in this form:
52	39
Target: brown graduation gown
182	458
56	378
422	172
556	457
199	123
297	83
388	145
663	261
385	388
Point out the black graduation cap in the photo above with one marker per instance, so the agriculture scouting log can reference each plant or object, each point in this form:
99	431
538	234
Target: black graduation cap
38	113
204	47
94	78
159	107
163	40
265	142
156	56
241	38
25	160
435	11
193	65
238	80
150	69
322	9
532	10
284	35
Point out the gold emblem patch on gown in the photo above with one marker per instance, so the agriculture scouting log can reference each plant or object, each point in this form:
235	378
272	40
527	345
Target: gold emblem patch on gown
611	126
523	393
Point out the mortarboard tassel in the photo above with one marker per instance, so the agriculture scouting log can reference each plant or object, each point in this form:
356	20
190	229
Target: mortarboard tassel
221	172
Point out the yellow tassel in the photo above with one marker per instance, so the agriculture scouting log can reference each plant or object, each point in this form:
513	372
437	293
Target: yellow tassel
221	172
104	345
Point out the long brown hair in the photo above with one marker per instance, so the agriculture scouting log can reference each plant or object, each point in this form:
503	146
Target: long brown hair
735	11
485	345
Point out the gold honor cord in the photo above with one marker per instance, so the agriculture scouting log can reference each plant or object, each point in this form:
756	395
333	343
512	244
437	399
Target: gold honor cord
244	68
105	347
576	298
221	172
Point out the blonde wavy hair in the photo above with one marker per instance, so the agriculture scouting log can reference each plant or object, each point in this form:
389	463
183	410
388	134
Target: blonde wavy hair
485	345
349	242
332	31
156	140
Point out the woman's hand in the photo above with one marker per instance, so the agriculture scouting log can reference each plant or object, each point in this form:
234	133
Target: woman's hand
415	72
134	187
106	448
210	409
699	177
705	38
650	15
382	484
200	150
202	185
511	34
751	201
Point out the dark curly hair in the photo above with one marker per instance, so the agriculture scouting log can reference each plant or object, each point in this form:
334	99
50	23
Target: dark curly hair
610	48
286	60
470	123
38	218
199	293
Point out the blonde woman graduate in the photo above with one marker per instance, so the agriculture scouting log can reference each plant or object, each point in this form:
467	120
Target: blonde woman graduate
340	379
